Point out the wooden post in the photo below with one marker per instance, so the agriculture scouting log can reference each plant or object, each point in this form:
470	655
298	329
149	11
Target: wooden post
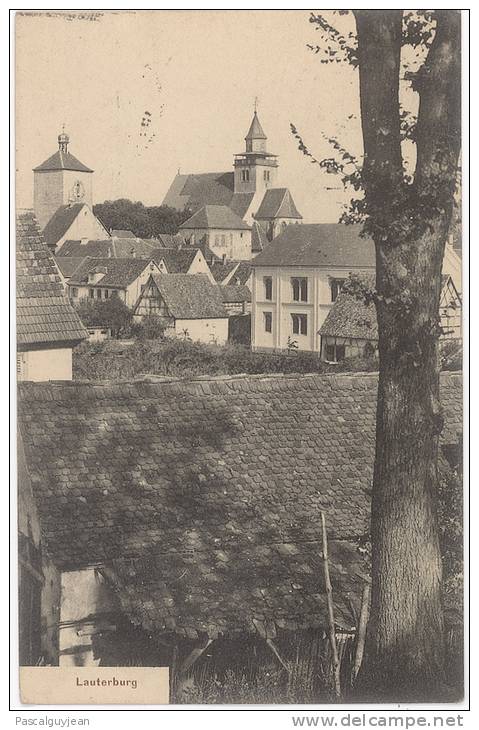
361	638
329	597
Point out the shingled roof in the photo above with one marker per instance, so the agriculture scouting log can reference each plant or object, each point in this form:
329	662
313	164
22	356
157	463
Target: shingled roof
109	247
60	222
201	499
351	317
234	293
277	203
119	273
177	260
190	296
319	244
44	313
62	161
215	216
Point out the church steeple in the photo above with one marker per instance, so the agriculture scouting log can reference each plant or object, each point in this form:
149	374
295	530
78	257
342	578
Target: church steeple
255	168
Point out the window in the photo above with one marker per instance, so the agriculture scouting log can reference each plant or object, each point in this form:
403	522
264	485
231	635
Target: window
106	294
268	287
91	293
336	285
74	292
268	321
300	324
335	353
266	175
98	293
300	289
245	175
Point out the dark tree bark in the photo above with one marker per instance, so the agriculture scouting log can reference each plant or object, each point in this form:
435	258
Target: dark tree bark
409	223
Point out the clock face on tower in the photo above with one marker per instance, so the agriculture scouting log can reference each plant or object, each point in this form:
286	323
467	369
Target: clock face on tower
78	191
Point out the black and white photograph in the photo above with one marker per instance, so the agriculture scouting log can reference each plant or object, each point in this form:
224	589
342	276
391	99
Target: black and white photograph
240	309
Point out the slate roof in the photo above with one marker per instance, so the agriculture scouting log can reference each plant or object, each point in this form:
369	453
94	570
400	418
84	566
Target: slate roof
62	161
201	498
221	270
177	261
109	247
120	273
121	233
44	313
350	317
68	264
190	296
215	216
277	203
259	240
60	222
319	244
256	130
235	293
193	191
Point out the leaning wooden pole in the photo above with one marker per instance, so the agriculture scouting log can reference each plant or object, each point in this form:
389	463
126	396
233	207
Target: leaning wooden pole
361	636
329	597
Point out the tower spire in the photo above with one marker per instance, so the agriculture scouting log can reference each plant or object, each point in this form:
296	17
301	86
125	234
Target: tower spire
63	140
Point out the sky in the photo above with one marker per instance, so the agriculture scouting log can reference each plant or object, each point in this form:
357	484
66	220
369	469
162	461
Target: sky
197	74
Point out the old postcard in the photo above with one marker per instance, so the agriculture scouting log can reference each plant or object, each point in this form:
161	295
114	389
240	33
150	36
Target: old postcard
239	297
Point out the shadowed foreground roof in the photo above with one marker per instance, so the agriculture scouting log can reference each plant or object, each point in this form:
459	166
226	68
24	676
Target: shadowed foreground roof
202	498
44	313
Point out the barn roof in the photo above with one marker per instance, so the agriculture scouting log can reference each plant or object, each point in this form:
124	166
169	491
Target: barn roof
44	313
201	499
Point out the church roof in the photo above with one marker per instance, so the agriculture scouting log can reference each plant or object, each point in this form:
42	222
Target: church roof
60	222
215	216
193	191
277	203
44	313
256	130
62	161
319	244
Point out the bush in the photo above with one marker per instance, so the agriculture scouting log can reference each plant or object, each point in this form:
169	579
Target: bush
110	314
151	327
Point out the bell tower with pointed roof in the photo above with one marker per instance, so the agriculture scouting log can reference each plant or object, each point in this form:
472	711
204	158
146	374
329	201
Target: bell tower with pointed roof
60	180
255	168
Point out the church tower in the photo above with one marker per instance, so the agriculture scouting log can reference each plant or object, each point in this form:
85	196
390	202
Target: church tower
60	180
255	169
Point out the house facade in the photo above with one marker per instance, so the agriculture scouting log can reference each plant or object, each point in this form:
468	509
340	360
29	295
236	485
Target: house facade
190	306
296	280
99	279
226	235
48	328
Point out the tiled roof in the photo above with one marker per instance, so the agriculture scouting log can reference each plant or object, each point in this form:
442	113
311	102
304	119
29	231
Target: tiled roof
62	161
120	233
242	273
259	240
215	216
177	261
277	203
119	273
44	314
221	270
201	499
235	293
319	244
110	247
60	222
190	296
350	317
68	264
168	240
194	191
240	203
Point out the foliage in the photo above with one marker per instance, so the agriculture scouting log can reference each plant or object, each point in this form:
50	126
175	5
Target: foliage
182	358
143	221
451	355
151	327
110	314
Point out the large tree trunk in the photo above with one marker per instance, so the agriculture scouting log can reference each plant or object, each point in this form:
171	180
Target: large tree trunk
405	646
